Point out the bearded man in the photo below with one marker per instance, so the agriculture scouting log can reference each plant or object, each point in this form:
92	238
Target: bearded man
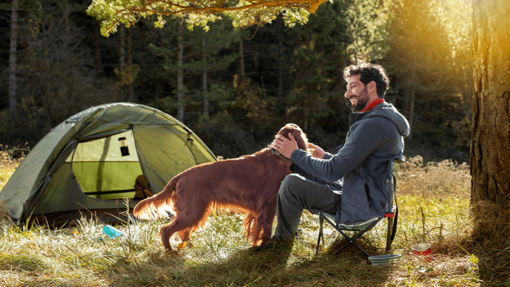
350	183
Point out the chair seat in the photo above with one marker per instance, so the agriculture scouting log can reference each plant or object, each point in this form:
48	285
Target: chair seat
356	226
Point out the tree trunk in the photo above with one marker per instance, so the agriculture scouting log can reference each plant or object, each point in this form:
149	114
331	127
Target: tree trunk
490	134
97	36
204	78
13	104
262	82
66	12
131	91
305	126
411	112
411	84
180	77
122	57
241	62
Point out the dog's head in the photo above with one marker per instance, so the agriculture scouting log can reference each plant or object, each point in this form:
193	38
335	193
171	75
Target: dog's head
297	133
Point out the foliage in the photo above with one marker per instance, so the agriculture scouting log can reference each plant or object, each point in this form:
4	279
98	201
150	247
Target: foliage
225	135
198	13
337	34
292	74
197	57
55	78
81	255
318	61
367	23
240	116
128	76
219	37
430	70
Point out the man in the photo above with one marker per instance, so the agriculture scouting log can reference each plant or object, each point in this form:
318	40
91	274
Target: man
350	183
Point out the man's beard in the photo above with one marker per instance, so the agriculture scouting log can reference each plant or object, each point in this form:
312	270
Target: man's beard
362	101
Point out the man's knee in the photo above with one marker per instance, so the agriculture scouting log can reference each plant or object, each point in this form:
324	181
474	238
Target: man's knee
292	179
289	184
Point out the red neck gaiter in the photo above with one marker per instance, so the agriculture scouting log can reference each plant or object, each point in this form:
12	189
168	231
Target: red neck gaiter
372	105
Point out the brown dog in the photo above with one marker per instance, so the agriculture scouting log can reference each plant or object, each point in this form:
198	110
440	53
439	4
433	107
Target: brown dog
248	184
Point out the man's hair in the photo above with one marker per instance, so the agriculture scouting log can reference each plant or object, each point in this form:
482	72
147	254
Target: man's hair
369	73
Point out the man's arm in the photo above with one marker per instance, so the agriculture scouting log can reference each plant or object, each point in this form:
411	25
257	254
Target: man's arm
327	155
362	141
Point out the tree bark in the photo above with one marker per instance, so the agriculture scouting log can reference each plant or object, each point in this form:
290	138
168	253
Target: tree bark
66	12
411	112
241	62
131	91
262	87
99	63
13	104
122	56
180	77
490	134
205	103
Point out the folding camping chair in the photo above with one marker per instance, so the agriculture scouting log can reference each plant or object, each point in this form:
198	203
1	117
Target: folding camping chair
391	214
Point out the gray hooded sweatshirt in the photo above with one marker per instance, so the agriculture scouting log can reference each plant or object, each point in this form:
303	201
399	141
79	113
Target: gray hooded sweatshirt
359	170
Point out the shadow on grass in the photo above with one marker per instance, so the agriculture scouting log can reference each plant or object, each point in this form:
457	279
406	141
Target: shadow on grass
287	267
493	263
278	266
494	269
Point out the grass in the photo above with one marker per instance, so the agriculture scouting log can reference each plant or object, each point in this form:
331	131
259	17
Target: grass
9	161
5	174
433	202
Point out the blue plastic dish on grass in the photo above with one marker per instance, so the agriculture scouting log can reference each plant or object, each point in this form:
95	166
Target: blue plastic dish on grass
112	232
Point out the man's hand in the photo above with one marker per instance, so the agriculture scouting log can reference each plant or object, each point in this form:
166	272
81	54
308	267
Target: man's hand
285	146
316	151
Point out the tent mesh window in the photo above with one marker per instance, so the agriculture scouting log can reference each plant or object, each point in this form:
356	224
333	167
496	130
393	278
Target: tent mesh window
106	168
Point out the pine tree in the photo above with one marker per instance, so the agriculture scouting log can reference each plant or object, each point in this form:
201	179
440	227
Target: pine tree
58	76
13	99
424	78
193	54
323	47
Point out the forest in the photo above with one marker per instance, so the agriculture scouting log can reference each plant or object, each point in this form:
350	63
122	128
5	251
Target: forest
235	88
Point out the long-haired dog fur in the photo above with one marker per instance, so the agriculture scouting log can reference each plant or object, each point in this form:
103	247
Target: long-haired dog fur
248	184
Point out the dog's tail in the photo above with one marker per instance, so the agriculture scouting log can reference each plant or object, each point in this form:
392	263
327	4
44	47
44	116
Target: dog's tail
159	205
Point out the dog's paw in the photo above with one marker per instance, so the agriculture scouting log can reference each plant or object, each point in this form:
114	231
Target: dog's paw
185	244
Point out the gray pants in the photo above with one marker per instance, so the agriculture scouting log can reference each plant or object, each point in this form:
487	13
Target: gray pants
296	194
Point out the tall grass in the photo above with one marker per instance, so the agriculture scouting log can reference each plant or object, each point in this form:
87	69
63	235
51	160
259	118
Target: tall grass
433	202
9	161
5	174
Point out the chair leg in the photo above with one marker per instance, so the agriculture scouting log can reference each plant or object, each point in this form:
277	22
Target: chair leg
351	241
322	232
392	230
389	237
321	235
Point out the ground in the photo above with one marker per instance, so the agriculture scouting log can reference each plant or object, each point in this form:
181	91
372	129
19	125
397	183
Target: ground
433	200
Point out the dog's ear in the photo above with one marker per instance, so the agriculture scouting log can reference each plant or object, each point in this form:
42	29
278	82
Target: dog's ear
300	138
297	133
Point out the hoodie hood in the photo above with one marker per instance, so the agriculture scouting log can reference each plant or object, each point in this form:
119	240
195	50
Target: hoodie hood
388	111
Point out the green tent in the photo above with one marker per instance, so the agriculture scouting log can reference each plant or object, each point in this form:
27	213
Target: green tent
89	163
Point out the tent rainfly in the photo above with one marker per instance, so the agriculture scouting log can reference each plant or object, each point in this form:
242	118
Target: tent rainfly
88	164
